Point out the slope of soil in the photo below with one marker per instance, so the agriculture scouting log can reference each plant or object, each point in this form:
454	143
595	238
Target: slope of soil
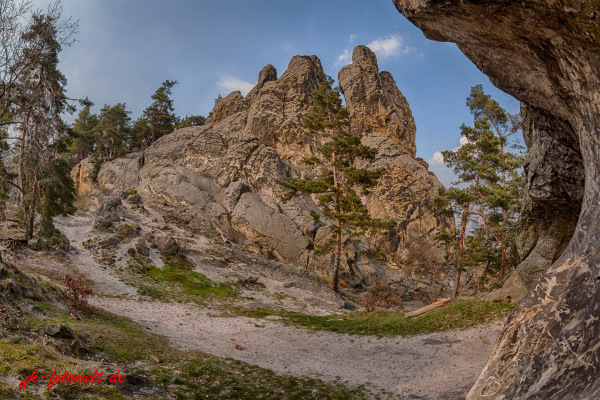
433	366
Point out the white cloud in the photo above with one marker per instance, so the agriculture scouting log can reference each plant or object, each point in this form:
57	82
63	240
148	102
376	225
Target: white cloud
351	38
344	59
231	83
390	46
436	159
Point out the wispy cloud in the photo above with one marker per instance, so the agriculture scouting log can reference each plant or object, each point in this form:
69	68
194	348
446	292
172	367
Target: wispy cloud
343	59
438	159
392	45
231	83
351	38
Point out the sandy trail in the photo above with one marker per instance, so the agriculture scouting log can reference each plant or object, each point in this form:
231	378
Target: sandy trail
435	366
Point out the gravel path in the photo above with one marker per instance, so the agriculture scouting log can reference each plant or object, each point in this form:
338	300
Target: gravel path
434	366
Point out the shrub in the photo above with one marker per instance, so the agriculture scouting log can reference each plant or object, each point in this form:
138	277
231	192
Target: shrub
76	292
381	296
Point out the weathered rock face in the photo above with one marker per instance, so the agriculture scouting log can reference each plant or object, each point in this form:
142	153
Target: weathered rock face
82	176
545	53
380	113
374	102
553	196
223	177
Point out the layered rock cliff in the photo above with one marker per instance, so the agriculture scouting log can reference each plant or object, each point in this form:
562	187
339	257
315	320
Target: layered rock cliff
223	177
545	53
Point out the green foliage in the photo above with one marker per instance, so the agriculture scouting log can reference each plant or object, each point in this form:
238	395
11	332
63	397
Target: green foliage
57	189
157	120
83	135
340	181
217	99
490	182
113	132
97	165
5	175
36	110
192	120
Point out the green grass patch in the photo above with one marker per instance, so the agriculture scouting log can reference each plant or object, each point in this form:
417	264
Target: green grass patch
458	315
19	358
214	378
112	336
176	281
189	375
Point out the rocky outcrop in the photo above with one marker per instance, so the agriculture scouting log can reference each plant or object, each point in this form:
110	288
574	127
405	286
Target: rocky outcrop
380	113
545	53
227	106
375	104
223	177
552	202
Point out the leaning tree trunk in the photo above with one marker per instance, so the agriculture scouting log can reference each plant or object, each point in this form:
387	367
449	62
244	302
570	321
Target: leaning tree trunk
545	53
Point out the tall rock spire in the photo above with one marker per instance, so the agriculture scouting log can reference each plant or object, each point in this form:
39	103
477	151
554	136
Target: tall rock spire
374	102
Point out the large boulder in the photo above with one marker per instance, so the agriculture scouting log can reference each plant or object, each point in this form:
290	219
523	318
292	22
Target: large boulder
545	53
165	244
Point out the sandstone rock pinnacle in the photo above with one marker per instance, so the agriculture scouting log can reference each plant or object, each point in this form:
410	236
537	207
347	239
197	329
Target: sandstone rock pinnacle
374	101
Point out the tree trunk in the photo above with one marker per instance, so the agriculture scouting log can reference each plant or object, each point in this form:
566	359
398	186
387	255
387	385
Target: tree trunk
29	219
338	244
336	260
502	266
21	154
31	213
504	216
29	230
461	246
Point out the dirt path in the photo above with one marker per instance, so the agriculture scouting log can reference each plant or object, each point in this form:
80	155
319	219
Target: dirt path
434	366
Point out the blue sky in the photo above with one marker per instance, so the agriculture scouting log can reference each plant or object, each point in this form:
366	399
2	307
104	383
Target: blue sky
126	48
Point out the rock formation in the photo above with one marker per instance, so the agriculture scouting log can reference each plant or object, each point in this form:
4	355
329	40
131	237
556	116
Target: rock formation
545	53
375	104
222	177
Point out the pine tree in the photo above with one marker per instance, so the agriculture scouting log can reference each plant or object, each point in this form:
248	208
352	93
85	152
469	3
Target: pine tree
84	130
504	125
486	200
157	120
39	103
475	165
339	179
112	132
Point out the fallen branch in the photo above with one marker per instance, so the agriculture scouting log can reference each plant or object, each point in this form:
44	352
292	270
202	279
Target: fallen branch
438	303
